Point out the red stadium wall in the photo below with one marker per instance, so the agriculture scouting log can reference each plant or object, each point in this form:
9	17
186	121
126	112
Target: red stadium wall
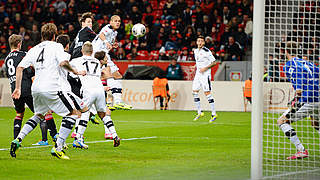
187	69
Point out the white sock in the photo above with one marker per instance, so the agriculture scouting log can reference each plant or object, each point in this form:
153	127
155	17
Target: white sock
211	102
76	125
291	134
29	126
106	130
83	124
117	97
65	129
108	122
197	101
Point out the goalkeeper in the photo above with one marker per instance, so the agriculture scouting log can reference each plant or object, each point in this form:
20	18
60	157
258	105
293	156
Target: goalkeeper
304	77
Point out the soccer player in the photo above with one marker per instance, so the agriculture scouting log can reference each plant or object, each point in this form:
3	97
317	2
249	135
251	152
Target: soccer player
50	63
105	41
85	34
105	74
11	62
304	77
93	94
204	61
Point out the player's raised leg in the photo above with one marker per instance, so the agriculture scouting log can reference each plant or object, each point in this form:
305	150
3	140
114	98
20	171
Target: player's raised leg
284	125
27	128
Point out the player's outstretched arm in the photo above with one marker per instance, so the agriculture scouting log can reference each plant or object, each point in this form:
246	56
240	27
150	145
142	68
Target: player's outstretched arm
68	67
102	36
17	92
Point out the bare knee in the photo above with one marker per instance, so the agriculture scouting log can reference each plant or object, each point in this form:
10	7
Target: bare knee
283	119
207	93
101	115
117	75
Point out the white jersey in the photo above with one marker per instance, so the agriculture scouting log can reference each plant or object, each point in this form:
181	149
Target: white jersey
110	34
46	58
203	59
93	68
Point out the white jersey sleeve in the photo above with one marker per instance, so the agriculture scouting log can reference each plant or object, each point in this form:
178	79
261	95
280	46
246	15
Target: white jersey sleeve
27	60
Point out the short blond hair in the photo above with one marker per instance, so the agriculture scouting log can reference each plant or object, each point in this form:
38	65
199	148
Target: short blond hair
48	31
14	40
87	48
114	16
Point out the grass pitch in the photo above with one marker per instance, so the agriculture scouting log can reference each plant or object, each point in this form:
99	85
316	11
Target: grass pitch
175	148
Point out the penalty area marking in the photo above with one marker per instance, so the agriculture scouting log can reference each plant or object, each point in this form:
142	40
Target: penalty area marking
89	142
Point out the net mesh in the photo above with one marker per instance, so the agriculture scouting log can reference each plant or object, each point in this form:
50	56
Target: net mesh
297	21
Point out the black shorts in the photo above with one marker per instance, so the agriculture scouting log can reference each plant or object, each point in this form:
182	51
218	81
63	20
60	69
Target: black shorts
75	86
19	104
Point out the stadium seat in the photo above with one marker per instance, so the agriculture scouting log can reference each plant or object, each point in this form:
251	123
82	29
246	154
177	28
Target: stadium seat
189	3
154	4
122	41
162	22
154	55
135	42
157	13
143	55
173	22
161	4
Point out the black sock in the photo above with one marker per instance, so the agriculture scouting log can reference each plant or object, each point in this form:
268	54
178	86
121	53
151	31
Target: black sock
16	127
52	127
44	130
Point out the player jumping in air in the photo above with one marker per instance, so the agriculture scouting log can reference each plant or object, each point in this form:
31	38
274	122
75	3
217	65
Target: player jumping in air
11	62
105	41
304	77
48	89
93	94
204	61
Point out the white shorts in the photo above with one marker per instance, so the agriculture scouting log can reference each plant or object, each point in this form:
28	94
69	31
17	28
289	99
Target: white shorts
95	97
60	102
202	80
306	110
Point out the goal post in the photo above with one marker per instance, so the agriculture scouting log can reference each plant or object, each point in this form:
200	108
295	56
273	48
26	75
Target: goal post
276	144
257	94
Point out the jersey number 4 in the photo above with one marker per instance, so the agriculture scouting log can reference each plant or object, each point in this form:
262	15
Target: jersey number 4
40	57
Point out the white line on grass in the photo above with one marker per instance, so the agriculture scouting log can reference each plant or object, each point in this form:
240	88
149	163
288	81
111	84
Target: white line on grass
89	142
291	173
183	122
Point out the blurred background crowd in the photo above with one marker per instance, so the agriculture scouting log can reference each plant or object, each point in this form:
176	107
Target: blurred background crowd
171	25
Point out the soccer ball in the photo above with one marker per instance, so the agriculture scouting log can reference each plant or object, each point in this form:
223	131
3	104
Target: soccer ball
138	30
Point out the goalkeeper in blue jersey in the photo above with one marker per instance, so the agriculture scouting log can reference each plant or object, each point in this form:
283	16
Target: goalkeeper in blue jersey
304	77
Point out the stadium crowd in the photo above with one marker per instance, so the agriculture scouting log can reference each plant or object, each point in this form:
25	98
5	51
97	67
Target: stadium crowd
305	30
171	26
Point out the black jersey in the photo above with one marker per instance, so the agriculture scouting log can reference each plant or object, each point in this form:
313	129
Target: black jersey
85	34
11	62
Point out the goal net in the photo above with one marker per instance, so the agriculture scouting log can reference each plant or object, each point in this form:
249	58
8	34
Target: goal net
286	21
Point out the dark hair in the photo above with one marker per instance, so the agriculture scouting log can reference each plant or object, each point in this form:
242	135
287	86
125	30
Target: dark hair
85	16
100	55
201	37
63	39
